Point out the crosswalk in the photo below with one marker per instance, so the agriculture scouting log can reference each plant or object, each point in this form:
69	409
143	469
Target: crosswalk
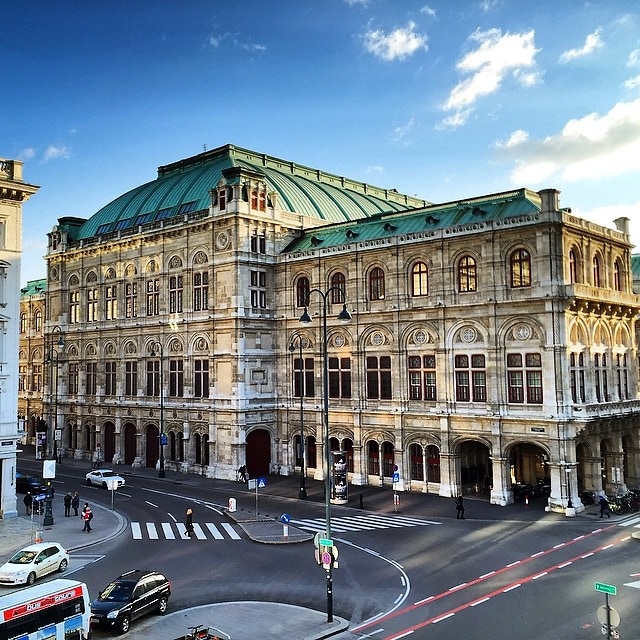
631	522
361	522
177	531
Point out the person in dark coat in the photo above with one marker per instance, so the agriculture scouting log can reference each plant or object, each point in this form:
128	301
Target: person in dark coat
188	523
28	502
75	503
459	508
87	516
67	504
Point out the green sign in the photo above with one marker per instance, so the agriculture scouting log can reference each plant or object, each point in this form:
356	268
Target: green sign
329	543
606	588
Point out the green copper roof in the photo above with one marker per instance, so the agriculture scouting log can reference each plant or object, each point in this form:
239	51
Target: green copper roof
434	217
184	186
34	287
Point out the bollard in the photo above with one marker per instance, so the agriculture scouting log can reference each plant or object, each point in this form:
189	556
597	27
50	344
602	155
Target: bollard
39	536
232	505
526	500
285	530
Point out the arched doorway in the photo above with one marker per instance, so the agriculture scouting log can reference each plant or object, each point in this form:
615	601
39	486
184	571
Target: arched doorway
530	476
475	467
129	443
258	452
152	446
109	441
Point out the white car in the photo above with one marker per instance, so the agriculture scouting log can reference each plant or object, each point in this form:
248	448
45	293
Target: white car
33	562
104	478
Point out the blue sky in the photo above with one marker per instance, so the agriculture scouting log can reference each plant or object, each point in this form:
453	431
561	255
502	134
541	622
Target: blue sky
444	99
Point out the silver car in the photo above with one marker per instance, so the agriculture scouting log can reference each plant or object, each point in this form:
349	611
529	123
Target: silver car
104	478
33	562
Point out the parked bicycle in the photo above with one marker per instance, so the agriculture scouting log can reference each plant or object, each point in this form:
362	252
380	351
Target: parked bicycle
200	632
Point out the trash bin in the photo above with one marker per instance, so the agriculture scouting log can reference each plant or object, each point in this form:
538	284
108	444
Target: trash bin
232	504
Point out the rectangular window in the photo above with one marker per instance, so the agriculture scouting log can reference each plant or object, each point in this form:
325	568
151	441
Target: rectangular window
524	378
131	378
92	305
111	302
131	300
601	377
258	242
577	377
258	289
201	291
201	378
22	377
471	381
36	377
308	377
91	378
73	375
153	378
153	297
378	377
176	378
110	378
622	376
74	307
339	377
175	294
422	377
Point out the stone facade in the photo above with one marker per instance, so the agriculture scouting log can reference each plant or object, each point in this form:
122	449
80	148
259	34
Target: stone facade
491	343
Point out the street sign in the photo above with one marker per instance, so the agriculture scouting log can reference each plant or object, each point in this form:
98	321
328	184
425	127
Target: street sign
163	439
325	542
262	483
285	518
606	588
396	477
39	497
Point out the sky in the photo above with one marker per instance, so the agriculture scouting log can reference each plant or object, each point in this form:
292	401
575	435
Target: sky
444	99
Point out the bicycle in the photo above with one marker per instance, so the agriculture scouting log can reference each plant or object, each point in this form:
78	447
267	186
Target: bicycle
199	632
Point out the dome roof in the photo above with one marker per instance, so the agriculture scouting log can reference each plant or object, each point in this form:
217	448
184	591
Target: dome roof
183	187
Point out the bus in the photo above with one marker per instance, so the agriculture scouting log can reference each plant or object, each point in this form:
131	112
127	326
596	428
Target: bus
55	610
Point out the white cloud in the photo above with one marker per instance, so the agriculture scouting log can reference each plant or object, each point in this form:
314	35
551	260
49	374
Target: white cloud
400	133
632	83
52	152
605	216
397	44
27	154
428	11
218	40
588	148
634	58
496	56
352	3
592	42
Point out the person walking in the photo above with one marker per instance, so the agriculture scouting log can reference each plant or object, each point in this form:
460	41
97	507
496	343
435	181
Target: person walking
604	507
188	523
75	503
459	508
67	504
28	502
87	516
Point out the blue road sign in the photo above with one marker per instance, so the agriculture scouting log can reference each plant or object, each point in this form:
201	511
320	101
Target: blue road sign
40	497
262	483
285	518
396	477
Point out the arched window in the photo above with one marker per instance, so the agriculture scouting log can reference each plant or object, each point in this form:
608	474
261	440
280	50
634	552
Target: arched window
467	274
302	292
417	465
373	458
376	284
573	267
419	279
520	268
198	448
596	270
338	288
617	275
23	322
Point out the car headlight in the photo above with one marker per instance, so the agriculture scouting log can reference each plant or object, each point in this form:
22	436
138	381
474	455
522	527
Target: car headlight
113	614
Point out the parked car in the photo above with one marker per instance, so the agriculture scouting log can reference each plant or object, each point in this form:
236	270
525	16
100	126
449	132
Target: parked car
101	478
25	484
128	597
33	562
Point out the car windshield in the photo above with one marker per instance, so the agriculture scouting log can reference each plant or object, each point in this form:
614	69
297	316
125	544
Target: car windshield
116	592
23	557
107	474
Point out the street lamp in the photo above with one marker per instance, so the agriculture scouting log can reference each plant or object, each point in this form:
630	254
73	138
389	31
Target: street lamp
344	316
53	356
156	347
302	494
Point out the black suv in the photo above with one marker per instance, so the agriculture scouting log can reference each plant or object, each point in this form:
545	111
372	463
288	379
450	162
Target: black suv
131	595
30	484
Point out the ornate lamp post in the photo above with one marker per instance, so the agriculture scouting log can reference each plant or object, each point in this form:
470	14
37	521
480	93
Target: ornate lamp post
52	358
302	494
344	316
155	347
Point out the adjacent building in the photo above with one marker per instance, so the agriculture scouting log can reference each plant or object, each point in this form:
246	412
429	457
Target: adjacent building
492	339
13	193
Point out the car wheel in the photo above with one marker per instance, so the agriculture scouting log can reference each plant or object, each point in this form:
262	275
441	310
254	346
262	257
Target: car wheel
104	485
88	482
63	565
123	625
162	606
31	578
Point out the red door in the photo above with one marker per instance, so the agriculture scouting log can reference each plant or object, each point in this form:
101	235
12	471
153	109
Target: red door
258	453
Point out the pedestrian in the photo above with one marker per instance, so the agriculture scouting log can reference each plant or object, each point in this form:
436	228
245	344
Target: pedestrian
87	516
604	507
75	503
28	502
67	504
459	508
188	523
242	474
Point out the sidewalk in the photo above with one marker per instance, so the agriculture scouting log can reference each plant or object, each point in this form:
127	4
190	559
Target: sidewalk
265	620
